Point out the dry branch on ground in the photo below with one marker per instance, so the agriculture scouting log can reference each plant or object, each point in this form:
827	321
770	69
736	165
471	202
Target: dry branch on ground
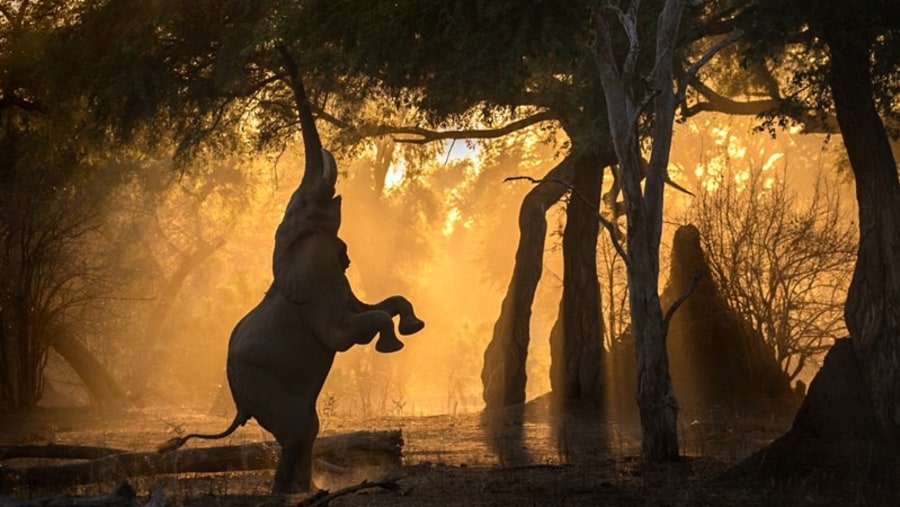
364	448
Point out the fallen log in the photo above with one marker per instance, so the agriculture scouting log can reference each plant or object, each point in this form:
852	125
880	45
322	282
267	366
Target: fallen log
56	451
349	450
123	496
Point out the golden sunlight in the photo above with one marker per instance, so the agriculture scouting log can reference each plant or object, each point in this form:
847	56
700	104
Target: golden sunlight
396	173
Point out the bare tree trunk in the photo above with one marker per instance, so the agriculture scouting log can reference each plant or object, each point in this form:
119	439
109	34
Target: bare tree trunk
643	209
151	342
503	374
577	356
657	405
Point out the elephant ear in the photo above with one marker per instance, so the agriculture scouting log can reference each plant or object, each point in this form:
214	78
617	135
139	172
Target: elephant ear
305	254
314	264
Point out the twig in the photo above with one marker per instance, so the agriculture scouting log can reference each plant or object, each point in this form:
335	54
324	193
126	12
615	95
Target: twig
683	297
692	71
323	497
609	226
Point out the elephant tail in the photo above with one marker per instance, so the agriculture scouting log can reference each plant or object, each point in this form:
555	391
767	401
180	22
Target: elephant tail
240	419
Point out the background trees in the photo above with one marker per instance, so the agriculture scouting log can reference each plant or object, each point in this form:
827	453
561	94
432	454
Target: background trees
93	93
782	261
52	199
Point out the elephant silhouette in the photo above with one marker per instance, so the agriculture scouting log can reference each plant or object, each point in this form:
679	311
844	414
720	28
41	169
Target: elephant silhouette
281	352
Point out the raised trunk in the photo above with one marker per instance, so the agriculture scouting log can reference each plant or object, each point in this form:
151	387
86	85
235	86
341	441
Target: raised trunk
872	311
312	145
503	374
577	354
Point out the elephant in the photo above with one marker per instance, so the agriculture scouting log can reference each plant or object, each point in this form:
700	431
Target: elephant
281	352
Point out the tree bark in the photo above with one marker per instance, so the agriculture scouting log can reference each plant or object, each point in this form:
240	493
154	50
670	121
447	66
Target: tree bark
872	311
364	448
503	375
100	384
576	343
643	209
831	438
849	425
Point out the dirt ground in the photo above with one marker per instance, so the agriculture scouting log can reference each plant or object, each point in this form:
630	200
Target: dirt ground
451	460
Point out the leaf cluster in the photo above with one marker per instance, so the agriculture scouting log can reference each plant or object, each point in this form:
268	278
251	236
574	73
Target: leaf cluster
789	35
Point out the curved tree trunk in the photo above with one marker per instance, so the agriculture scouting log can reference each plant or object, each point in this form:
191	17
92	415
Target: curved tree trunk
872	311
503	374
152	341
101	386
849	424
577	356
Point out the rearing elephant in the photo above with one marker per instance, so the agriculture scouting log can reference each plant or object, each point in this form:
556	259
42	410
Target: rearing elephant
281	352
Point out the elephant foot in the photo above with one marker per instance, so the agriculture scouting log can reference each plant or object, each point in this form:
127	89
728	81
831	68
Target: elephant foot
388	344
293	488
410	324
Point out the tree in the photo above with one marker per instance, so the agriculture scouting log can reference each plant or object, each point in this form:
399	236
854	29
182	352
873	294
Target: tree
508	72
51	200
644	206
854	81
349	53
780	261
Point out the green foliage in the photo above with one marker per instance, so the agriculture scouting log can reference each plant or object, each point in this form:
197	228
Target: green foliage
789	35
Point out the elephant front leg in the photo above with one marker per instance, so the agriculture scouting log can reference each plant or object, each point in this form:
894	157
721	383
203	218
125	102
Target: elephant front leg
399	305
361	322
352	329
378	321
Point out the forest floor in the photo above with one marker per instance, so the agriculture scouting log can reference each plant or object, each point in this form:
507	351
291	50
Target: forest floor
450	461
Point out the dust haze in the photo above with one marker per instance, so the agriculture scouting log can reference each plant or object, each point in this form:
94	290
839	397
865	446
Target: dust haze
439	226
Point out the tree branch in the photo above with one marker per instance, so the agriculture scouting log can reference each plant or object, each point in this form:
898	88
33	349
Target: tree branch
419	135
716	102
609	226
629	24
691	74
683	297
323	497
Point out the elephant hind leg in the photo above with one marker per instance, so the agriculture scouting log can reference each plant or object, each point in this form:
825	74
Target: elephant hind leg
294	471
284	473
